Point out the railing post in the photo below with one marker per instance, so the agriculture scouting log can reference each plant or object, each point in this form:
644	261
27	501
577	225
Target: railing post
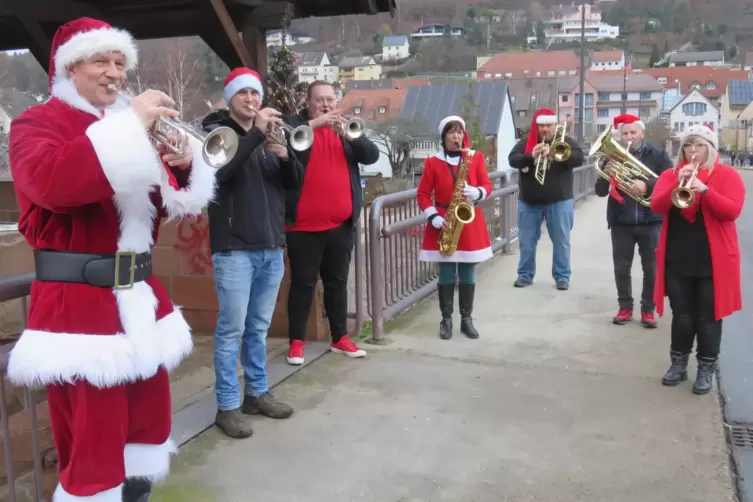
359	263
375	262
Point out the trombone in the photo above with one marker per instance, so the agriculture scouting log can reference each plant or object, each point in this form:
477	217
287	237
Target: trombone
683	196
559	151
218	147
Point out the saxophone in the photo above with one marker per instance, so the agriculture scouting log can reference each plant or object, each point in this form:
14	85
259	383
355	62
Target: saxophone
459	212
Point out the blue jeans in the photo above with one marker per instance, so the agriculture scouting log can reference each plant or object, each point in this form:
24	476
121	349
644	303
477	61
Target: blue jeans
247	283
559	222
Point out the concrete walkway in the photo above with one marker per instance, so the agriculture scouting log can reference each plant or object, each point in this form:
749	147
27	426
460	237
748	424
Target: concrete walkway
553	403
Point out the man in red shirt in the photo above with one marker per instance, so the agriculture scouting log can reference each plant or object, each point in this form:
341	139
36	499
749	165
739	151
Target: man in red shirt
321	219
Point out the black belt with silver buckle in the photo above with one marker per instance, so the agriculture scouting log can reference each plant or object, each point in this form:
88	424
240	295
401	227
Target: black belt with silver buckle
119	271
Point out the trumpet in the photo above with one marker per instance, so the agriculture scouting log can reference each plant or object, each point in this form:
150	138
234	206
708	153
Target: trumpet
218	147
353	127
559	151
683	196
301	138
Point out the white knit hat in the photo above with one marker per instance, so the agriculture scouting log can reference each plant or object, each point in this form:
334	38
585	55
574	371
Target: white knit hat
703	132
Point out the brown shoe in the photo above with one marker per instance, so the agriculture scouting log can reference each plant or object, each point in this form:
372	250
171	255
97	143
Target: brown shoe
233	423
266	405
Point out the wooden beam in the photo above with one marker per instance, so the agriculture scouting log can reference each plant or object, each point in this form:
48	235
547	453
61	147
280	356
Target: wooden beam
49	10
40	44
272	16
222	15
255	40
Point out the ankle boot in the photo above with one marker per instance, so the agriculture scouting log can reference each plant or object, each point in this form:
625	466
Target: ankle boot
678	372
446	302
705	375
465	302
136	490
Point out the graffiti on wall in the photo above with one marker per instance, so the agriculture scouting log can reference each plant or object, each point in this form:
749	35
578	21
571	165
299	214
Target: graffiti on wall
192	236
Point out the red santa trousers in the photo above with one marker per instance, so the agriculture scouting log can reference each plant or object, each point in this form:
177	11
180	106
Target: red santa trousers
105	435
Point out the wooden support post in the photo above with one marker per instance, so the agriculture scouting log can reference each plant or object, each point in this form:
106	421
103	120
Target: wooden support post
255	43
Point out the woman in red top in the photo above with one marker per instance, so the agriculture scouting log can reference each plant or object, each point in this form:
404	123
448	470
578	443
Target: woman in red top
474	245
698	258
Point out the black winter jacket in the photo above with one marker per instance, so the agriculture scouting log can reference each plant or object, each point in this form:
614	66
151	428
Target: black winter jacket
248	212
360	151
630	212
558	184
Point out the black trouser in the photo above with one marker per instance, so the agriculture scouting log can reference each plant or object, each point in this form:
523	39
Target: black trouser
692	302
319	253
624	239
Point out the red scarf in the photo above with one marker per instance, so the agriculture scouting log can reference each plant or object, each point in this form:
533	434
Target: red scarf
613	190
703	175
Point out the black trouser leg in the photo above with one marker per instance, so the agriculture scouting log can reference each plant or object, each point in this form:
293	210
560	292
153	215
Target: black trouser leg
681	291
305	252
648	241
623	250
335	270
709	336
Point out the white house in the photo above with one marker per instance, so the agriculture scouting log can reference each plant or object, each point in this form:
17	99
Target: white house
275	38
12	104
437	30
316	66
607	60
395	47
564	23
692	109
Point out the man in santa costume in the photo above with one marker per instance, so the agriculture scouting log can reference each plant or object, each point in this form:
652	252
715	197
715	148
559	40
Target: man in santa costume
102	331
434	194
634	224
552	202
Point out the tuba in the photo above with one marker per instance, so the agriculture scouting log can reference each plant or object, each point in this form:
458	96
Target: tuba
218	147
459	211
683	196
609	155
559	150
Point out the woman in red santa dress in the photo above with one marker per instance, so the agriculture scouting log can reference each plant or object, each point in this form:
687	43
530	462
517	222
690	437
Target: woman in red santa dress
474	246
102	331
698	258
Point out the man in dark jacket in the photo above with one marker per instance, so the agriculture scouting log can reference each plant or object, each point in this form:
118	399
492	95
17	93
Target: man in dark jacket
634	224
551	201
247	237
321	220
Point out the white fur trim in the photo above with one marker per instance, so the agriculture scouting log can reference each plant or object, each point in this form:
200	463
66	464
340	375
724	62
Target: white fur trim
150	461
65	91
451	118
111	495
453	161
546	119
430	211
40	358
243	81
202	183
483	193
458	256
702	132
88	43
639	123
128	158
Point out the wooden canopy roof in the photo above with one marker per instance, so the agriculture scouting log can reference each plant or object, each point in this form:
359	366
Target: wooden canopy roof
31	24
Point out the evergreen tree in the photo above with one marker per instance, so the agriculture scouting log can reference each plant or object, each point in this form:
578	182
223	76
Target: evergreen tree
284	92
655	56
470	112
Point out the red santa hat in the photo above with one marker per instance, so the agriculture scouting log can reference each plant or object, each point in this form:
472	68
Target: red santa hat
627	118
703	132
85	37
239	79
455	118
541	117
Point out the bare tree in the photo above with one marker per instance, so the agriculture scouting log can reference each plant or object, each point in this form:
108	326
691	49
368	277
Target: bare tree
395	140
4	166
182	76
657	133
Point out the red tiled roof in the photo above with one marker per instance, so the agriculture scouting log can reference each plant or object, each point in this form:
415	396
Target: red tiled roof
541	62
604	56
370	101
686	76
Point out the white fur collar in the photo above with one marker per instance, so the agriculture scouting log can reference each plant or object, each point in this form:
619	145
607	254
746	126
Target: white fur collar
451	160
65	91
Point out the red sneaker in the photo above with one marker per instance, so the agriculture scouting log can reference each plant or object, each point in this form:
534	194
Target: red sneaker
295	352
648	320
347	347
624	316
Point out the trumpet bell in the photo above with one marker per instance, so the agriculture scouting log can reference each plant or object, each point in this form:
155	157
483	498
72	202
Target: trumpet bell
683	197
561	151
220	146
354	128
301	138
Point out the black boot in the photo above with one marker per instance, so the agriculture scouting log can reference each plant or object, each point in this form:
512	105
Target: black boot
136	490
446	303
465	302
705	375
678	372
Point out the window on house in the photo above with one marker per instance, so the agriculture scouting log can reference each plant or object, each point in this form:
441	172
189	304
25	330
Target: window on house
565	98
382	109
603	96
603	113
694	109
645	96
662	80
357	110
711	85
601	127
521	113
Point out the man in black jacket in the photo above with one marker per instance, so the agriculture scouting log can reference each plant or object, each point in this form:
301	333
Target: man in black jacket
634	224
551	201
247	237
321	219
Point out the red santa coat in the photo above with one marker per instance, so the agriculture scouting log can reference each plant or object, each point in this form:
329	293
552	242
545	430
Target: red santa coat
94	184
721	205
474	244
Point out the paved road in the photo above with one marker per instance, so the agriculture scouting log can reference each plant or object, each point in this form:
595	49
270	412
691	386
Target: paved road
552	404
736	361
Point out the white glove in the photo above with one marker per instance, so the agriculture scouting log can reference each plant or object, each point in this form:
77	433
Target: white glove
437	222
473	193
